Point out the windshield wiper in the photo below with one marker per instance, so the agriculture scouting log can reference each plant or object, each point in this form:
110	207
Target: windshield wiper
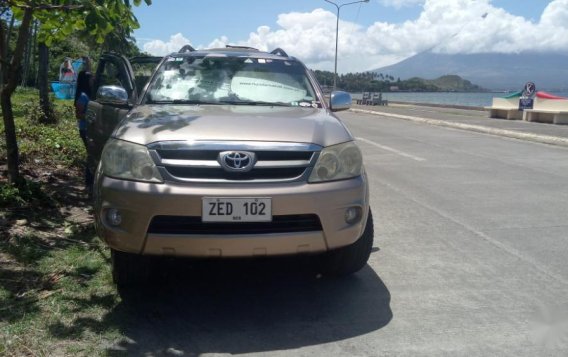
221	102
255	102
182	101
193	101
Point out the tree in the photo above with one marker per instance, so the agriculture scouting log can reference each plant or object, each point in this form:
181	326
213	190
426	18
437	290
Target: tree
119	38
5	15
47	114
58	19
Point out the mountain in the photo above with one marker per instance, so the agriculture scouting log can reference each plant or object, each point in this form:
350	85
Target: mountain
494	71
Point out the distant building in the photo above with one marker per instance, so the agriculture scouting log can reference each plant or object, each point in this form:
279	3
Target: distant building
394	88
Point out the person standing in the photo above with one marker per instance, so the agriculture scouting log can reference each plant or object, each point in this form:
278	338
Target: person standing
67	78
83	94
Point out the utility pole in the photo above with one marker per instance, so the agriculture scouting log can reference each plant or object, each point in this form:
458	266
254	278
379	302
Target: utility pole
338	7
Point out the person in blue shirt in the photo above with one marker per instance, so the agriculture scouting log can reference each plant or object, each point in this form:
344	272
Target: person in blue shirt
80	111
83	95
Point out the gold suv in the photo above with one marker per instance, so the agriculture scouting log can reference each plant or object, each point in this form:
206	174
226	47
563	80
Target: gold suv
223	153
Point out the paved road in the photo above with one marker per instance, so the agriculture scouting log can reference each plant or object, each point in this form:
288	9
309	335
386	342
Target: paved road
470	260
473	234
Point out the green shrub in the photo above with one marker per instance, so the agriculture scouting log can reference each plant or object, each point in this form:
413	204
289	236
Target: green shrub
10	195
26	193
51	145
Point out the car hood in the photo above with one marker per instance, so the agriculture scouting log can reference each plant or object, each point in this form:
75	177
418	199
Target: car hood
147	124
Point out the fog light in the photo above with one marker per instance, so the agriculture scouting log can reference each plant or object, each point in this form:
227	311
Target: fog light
114	217
353	215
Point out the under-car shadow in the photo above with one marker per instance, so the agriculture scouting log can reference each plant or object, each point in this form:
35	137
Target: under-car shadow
249	306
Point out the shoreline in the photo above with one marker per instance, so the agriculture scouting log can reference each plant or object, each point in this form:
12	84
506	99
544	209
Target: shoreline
456	100
434	105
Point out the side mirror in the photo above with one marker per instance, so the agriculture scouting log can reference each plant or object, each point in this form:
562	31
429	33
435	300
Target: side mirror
114	95
340	101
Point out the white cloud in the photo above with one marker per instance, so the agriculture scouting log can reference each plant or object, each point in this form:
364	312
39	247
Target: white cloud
447	26
161	48
555	14
401	3
219	42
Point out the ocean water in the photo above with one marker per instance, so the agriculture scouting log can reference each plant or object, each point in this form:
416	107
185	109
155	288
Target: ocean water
467	99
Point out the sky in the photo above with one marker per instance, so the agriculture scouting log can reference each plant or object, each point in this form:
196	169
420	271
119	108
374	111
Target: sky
371	35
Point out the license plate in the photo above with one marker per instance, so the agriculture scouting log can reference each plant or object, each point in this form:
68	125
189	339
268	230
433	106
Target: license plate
230	209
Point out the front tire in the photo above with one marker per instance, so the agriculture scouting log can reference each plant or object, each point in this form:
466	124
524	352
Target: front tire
129	270
352	258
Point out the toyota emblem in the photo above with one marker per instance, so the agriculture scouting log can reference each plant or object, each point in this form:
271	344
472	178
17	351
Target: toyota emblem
237	161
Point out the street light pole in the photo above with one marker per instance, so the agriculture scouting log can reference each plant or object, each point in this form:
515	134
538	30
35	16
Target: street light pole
338	7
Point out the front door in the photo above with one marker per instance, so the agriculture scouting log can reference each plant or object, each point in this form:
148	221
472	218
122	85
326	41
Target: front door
103	117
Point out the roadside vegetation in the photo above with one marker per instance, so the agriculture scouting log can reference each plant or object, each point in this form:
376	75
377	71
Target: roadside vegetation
56	293
55	283
44	148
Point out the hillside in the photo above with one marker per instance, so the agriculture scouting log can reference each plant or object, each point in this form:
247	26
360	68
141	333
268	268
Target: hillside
378	82
454	83
447	83
489	70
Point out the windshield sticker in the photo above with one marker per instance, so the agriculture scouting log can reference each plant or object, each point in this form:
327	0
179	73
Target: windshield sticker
261	60
279	88
248	60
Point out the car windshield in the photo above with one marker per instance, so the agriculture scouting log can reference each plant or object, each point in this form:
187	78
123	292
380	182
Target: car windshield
232	80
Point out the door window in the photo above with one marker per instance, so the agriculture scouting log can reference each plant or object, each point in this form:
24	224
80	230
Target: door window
111	76
142	73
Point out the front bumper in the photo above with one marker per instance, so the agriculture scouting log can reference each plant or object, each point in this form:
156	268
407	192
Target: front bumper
139	203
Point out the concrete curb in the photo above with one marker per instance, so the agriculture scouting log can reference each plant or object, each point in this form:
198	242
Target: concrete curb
543	139
433	105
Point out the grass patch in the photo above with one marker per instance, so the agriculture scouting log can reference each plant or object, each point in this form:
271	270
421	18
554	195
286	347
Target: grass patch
54	296
55	283
55	145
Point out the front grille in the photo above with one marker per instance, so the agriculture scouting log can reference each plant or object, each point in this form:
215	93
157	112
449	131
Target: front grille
188	225
198	161
212	155
220	174
188	154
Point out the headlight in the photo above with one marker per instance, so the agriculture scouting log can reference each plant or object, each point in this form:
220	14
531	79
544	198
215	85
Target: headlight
129	161
338	162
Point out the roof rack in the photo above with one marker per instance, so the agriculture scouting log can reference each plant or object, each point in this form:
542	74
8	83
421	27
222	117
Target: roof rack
186	48
241	47
279	52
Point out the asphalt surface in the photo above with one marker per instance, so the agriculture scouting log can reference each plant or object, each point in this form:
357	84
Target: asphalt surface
469	260
472	230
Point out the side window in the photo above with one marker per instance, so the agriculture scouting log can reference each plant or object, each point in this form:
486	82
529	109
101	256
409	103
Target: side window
142	73
110	75
113	72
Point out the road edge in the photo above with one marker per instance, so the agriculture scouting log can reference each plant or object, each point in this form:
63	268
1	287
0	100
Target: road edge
538	138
